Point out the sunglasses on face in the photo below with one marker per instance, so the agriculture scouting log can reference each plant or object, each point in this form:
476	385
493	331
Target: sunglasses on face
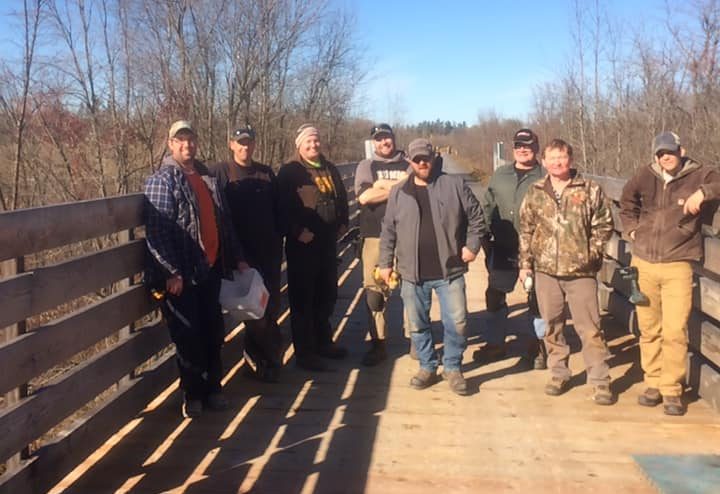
519	145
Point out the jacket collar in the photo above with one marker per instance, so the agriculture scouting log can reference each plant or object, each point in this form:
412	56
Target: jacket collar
576	180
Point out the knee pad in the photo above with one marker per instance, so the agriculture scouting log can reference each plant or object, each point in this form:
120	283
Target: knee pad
375	300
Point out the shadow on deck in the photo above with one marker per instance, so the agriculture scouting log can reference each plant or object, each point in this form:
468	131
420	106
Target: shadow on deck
358	429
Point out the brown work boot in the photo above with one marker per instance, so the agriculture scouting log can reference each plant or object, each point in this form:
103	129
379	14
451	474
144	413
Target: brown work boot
556	386
489	353
602	395
376	354
651	397
423	379
673	405
456	381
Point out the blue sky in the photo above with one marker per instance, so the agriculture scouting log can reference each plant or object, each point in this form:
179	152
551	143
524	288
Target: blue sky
454	59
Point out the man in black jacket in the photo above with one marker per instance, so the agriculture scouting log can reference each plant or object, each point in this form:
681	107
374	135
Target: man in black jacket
250	189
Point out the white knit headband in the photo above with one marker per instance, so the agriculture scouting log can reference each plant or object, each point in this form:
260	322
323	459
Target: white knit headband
304	134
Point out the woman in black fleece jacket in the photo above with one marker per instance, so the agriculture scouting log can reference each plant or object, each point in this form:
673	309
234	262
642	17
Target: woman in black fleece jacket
314	211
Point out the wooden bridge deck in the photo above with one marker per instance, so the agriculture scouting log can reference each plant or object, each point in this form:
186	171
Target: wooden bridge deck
358	430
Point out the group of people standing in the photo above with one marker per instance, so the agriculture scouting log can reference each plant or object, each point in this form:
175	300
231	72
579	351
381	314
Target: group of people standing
539	221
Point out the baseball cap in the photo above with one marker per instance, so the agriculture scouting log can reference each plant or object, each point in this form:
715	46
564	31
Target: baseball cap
245	132
420	147
525	136
381	129
666	141
178	126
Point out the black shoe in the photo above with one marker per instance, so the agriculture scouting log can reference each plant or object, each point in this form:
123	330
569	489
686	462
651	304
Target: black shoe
333	351
489	353
423	379
457	382
376	354
217	402
556	386
311	362
651	397
673	405
192	408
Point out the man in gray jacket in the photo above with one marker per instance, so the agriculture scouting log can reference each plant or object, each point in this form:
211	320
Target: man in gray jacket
501	205
433	225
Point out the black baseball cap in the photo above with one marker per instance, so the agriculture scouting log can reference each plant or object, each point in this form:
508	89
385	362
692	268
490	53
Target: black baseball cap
381	129
245	132
525	136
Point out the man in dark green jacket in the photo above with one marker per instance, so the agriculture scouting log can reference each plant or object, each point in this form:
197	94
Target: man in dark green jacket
501	205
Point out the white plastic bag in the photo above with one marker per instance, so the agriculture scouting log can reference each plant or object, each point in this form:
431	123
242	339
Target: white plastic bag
245	296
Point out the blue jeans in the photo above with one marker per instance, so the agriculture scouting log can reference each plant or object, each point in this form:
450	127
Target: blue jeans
453	310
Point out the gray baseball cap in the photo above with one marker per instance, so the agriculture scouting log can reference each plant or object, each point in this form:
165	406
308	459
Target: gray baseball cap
666	141
420	147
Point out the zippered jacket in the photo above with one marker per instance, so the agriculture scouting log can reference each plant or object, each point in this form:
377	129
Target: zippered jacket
564	237
457	218
653	209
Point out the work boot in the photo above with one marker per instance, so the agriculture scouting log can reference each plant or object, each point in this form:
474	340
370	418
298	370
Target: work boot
457	382
423	379
489	353
673	405
191	408
540	361
651	397
602	395
217	402
413	350
311	362
556	386
333	351
376	354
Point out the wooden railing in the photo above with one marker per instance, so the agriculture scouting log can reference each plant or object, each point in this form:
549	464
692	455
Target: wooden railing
704	325
136	359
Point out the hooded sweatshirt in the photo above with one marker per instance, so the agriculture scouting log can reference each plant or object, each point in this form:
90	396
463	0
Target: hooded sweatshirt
367	173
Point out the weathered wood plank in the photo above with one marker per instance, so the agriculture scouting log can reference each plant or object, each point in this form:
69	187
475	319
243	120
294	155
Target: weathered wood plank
36	351
709	291
46	287
704	379
36	414
55	460
31	230
712	255
618	249
611	186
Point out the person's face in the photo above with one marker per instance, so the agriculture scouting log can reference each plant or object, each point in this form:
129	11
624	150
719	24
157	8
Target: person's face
422	166
384	145
243	149
310	148
668	160
557	162
183	147
524	154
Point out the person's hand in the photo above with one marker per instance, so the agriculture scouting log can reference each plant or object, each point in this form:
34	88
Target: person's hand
467	255
242	266
306	236
693	203
524	273
174	285
385	274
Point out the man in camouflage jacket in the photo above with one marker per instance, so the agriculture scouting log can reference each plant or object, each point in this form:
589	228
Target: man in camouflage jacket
565	222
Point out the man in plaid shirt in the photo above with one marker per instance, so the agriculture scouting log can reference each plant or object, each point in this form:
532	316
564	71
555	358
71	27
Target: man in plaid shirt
192	247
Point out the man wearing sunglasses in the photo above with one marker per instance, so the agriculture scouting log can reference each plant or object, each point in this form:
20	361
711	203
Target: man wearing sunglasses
660	212
373	179
251	192
433	225
501	205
